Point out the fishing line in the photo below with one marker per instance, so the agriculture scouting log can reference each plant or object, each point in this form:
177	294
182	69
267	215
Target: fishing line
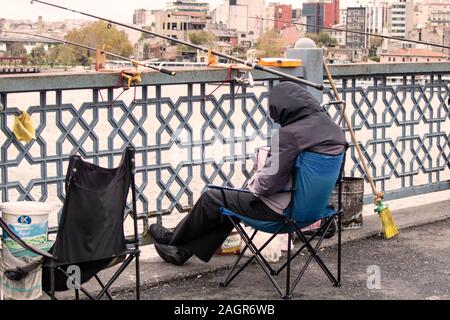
63	41
251	64
349	31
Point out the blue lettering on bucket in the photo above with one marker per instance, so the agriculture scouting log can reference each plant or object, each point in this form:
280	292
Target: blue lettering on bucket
24	220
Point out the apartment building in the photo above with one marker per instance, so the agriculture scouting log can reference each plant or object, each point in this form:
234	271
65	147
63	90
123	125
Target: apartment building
320	13
356	21
401	20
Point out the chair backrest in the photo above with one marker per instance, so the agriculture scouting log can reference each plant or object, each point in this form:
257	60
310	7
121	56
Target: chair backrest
91	225
315	178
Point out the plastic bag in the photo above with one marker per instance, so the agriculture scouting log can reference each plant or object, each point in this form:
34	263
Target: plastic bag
29	288
273	251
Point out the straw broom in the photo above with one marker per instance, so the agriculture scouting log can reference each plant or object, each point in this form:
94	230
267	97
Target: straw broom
390	230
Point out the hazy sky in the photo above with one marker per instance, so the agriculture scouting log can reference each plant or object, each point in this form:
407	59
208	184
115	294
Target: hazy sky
115	9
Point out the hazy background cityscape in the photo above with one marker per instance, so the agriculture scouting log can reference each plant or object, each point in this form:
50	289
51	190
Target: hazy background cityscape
230	26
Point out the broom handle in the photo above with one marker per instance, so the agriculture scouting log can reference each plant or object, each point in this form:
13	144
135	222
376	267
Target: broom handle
377	194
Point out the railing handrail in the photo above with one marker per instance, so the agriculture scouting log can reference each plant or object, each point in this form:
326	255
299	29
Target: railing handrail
91	79
391	69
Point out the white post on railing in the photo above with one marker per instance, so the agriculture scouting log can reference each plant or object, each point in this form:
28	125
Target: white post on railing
312	58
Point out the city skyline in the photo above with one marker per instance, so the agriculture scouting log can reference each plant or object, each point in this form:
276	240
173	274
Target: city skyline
99	7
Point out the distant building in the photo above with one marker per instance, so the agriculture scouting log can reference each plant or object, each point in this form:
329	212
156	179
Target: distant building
440	15
178	21
223	34
296	15
283	16
339	55
375	20
343	16
412	55
299	20
401	21
2	25
434	11
188	6
269	15
433	33
145	18
340	36
244	16
356	21
377	16
320	13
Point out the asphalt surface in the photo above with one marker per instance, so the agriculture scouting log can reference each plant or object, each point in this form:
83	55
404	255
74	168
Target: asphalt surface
414	265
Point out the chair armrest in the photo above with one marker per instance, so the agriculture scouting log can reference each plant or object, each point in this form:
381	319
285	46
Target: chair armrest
228	189
22	243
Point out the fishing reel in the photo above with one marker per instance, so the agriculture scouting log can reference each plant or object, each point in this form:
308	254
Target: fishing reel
245	80
131	76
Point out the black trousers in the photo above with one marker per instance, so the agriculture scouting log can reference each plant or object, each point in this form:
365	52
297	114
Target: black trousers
204	229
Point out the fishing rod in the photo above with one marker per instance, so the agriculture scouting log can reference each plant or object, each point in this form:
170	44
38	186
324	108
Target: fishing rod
350	31
162	70
251	64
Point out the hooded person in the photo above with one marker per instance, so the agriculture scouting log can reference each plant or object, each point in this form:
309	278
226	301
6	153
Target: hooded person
304	126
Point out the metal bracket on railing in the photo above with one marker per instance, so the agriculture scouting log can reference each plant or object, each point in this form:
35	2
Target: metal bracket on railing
336	102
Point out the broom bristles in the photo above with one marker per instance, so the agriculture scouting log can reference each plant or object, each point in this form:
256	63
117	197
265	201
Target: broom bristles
390	230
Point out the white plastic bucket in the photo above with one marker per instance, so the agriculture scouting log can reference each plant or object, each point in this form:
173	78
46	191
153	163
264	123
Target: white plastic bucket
29	220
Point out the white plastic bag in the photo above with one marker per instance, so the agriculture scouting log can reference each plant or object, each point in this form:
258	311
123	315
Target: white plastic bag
273	251
29	288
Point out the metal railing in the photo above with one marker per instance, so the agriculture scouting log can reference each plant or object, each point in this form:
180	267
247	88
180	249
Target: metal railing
186	138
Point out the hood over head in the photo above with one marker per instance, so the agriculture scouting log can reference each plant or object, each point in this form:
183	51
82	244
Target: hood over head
290	102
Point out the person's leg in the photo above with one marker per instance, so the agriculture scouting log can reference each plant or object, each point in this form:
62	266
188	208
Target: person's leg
204	229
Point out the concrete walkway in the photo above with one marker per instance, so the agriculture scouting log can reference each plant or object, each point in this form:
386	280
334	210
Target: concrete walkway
413	266
157	274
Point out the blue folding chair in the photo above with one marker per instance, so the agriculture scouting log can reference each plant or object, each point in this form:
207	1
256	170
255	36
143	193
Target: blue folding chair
315	177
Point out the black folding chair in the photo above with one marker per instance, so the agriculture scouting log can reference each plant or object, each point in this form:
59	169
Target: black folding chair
91	235
316	175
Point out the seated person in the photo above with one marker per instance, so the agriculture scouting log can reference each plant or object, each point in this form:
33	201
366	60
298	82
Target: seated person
304	126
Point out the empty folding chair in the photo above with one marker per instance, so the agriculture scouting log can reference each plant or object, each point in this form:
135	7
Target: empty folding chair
315	178
91	233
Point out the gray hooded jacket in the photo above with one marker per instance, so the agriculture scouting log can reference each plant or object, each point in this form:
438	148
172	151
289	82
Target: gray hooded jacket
304	126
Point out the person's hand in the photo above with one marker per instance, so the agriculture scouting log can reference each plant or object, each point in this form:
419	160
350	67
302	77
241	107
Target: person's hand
251	183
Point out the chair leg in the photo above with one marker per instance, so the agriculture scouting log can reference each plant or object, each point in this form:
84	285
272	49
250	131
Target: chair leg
313	253
79	286
103	287
339	264
295	255
228	278
249	244
288	296
52	283
312	256
257	255
77	294
124	265
138	277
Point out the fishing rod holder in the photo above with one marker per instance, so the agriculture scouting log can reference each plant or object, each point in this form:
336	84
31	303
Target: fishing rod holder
245	80
341	104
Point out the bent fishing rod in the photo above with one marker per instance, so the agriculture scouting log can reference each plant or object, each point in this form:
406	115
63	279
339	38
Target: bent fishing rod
251	64
62	41
350	31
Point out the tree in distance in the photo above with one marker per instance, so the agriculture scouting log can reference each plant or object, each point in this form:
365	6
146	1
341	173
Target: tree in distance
96	35
270	44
